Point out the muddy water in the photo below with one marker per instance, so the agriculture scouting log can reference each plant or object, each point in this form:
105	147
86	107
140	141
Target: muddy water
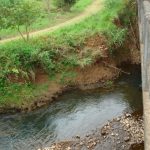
75	113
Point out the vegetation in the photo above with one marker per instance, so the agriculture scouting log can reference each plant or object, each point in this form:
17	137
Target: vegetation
55	53
64	3
23	13
80	5
44	14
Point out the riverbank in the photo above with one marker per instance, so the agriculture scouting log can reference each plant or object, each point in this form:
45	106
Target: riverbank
100	74
86	55
88	78
122	133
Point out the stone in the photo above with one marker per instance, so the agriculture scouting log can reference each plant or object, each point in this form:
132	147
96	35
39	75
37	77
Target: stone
94	143
118	119
118	142
103	132
68	148
127	139
128	115
112	134
77	136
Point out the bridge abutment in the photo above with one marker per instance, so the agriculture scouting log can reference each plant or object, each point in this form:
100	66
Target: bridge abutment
144	29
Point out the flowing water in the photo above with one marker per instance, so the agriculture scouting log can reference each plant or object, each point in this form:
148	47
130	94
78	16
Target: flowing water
74	113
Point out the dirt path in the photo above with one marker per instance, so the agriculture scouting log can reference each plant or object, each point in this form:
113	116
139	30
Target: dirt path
90	10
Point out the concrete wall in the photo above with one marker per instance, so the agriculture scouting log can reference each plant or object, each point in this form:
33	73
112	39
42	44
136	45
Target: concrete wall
144	26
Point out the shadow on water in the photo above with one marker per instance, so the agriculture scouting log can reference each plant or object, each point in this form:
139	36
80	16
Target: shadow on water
75	113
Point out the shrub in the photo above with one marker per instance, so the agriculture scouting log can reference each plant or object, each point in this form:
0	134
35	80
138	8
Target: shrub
64	3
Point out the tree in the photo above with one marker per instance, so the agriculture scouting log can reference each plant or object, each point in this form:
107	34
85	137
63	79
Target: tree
4	13
24	13
47	7
5	6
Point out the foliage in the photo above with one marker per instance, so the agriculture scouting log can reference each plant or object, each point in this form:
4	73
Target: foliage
80	5
24	14
57	52
5	7
64	3
24	94
48	15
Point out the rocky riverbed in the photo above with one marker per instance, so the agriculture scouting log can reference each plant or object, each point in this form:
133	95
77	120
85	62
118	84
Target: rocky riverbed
122	133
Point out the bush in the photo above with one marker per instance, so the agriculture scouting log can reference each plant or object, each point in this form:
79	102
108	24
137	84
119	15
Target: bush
64	3
80	5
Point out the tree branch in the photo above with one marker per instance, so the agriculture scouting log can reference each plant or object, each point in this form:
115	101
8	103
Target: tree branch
21	34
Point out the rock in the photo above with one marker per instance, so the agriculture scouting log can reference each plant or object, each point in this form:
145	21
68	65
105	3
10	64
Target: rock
52	147
123	146
103	131
128	115
127	139
47	148
98	141
118	119
94	143
128	125
77	136
118	138
68	148
112	134
81	143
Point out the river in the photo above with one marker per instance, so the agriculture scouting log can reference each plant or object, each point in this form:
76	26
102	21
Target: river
76	112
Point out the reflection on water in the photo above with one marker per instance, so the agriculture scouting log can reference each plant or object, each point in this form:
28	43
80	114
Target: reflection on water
75	113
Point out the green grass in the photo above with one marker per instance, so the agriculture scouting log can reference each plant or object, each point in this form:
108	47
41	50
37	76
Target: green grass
17	95
81	5
56	17
56	52
41	23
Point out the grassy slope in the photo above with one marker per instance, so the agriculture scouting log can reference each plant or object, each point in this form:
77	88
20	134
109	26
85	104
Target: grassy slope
55	52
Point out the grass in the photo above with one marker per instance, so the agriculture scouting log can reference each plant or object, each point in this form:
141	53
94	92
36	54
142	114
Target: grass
41	23
80	5
55	52
24	94
57	16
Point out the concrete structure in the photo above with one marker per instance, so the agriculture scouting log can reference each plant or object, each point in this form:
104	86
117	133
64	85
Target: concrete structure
144	26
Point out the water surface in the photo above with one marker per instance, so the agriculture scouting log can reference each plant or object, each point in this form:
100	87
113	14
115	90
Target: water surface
74	113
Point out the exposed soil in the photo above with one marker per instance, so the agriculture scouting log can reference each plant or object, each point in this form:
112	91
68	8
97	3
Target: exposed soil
93	76
122	133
